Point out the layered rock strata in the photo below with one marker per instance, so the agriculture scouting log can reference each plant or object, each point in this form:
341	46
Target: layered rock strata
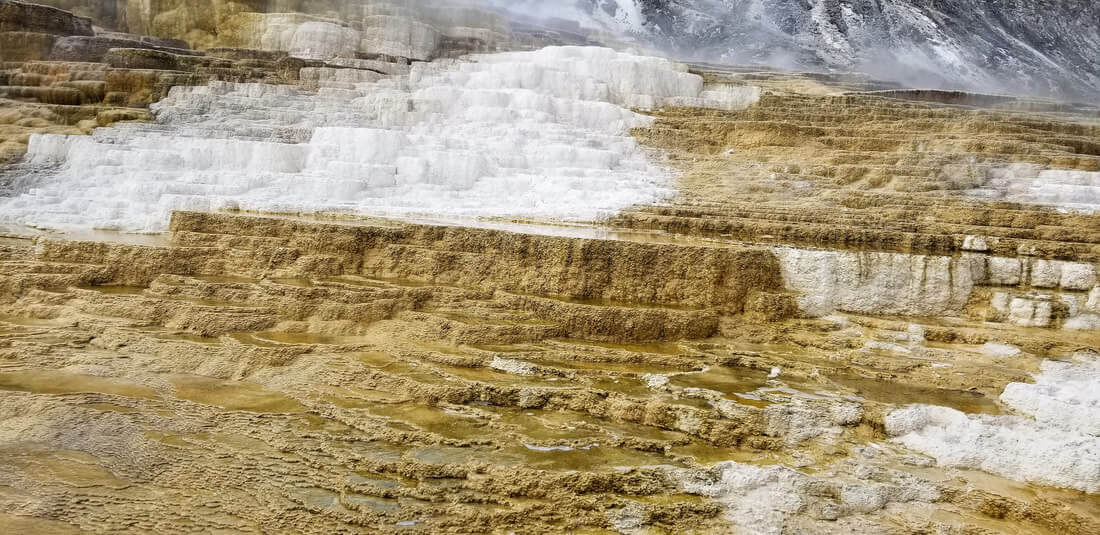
542	134
859	309
444	379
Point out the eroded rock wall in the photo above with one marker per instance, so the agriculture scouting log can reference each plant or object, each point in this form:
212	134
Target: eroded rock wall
315	30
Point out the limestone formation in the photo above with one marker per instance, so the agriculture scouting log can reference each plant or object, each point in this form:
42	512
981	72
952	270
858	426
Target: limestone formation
94	49
380	375
522	134
312	266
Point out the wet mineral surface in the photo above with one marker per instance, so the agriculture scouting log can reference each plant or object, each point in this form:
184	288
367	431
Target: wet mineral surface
253	374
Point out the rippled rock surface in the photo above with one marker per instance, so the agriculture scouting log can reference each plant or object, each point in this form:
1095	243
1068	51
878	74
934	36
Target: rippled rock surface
520	288
525	135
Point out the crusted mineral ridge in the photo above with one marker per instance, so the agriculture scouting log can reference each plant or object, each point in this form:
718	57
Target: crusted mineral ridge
541	134
856	306
321	377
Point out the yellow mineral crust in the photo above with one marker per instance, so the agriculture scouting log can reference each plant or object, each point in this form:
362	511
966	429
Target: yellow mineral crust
333	376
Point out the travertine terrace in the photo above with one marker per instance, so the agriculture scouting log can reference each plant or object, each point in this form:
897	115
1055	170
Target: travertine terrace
837	306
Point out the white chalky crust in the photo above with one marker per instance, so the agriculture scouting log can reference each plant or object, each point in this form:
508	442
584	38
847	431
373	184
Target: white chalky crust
541	135
1055	441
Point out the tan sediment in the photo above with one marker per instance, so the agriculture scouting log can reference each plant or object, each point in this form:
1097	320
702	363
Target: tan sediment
321	377
296	375
866	172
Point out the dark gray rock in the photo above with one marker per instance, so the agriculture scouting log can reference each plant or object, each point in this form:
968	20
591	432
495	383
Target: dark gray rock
141	58
245	54
94	48
157	42
34	18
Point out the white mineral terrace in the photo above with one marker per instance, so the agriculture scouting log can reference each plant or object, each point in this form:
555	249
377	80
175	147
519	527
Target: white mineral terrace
545	135
1054	441
541	134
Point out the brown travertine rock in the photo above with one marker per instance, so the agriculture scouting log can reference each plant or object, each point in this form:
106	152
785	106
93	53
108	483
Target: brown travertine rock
103	13
145	86
46	95
830	167
20	119
92	91
299	375
154	41
112	116
245	54
446	368
588	269
25	46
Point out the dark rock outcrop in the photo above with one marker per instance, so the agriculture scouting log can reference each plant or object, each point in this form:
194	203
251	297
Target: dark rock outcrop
25	46
141	58
22	17
28	31
94	48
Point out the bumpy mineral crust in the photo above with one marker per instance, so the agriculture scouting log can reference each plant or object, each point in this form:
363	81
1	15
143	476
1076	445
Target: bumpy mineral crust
307	376
817	304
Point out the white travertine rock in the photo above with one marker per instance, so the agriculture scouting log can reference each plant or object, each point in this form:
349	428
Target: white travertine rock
1069	310
1078	276
1072	304
997	349
1077	190
1004	271
1000	302
299	35
1030	183
1056	440
1092	304
542	134
1083	322
878	283
1030	312
975	243
723	98
1067	275
399	36
761	499
1046	273
322	40
517	367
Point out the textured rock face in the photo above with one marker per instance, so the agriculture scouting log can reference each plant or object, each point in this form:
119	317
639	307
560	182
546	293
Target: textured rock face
1010	46
93	49
879	283
1057	442
28	17
855	308
893	203
313	30
449	367
525	134
28	31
